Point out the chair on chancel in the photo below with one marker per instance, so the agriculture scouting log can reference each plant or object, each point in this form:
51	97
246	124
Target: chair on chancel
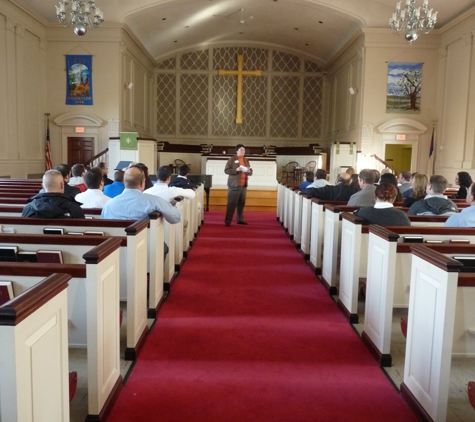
178	163
289	170
310	166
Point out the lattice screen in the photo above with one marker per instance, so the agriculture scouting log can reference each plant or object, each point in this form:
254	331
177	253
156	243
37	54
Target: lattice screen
271	102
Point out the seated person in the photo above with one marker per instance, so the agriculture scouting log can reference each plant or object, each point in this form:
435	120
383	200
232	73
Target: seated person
144	168
342	191
309	176
435	202
77	180
164	191
52	203
404	181
391	178
321	181
383	213
105	170
117	187
417	191
466	217
69	190
181	181
93	197
365	196
464	180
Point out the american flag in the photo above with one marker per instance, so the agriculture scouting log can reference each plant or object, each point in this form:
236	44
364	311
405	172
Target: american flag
48	163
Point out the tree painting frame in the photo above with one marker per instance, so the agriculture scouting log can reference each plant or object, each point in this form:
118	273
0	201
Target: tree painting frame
79	80
404	88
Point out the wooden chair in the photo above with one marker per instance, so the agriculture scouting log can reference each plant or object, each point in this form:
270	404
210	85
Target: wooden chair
178	163
289	170
310	166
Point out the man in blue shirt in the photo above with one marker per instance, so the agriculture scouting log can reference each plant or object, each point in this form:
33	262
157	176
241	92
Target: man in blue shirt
133	204
117	187
466	217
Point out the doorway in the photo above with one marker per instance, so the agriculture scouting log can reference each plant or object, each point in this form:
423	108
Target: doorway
399	156
80	150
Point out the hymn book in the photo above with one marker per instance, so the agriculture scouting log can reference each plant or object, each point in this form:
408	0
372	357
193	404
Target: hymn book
53	230
8	253
53	257
6	291
26	256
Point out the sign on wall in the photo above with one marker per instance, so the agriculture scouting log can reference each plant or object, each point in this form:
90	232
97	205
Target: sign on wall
404	88
78	80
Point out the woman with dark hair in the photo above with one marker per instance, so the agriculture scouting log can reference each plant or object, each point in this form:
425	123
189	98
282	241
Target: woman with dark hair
354	182
464	180
144	168
383	212
391	178
419	184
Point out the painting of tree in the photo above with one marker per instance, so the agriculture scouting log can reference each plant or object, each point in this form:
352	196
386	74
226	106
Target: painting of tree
404	88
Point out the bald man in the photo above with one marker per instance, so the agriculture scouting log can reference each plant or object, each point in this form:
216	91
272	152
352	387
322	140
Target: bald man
340	192
52	203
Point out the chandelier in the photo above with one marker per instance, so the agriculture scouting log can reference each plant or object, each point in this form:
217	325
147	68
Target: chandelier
413	20
82	14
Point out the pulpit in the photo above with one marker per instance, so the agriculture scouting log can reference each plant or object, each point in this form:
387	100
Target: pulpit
145	153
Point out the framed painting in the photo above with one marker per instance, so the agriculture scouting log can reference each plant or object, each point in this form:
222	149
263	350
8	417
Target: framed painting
404	88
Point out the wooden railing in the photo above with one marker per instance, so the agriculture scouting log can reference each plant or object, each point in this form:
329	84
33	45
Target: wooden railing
384	163
94	161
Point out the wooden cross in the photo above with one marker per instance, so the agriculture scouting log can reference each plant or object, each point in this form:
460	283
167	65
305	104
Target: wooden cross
239	73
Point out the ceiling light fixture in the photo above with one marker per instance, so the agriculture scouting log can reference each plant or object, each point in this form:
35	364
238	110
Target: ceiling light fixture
413	20
83	14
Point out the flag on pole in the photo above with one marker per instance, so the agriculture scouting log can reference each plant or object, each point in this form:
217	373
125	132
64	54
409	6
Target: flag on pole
48	163
431	151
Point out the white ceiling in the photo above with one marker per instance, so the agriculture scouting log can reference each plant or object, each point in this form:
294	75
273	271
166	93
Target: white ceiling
317	28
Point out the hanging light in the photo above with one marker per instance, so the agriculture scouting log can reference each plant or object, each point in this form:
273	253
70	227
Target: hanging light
413	20
82	14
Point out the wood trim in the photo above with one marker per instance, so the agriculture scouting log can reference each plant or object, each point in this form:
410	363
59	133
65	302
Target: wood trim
67	222
137	227
32	299
132	353
445	248
102	251
109	404
383	232
414	404
466	280
338	208
352	318
48	239
326	201
435	258
353	218
384	360
332	290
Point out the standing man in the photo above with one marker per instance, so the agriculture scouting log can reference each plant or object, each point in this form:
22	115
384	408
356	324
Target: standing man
238	170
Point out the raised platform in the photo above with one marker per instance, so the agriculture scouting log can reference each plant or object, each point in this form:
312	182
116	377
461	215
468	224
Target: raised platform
256	200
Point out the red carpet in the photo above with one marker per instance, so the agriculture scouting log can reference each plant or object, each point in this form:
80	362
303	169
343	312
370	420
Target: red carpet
249	334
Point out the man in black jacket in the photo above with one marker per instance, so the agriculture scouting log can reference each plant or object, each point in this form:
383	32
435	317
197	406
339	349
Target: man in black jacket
52	203
340	192
181	181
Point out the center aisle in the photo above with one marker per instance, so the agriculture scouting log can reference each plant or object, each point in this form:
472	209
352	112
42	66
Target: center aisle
249	334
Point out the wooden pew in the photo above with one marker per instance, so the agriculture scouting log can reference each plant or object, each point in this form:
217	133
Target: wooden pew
34	353
354	255
141	249
388	279
436	291
95	289
15	210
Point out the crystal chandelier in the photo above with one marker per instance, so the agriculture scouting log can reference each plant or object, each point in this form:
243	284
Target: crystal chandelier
83	14
413	20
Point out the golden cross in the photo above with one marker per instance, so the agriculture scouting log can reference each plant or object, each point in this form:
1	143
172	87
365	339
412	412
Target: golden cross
239	73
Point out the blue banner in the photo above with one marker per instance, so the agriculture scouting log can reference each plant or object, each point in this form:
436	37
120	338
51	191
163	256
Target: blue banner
79	80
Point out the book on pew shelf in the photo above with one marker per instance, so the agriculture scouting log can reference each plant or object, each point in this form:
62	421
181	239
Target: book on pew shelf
26	256
468	262
9	230
53	230
434	241
413	239
54	257
8	253
459	241
94	233
76	233
6	291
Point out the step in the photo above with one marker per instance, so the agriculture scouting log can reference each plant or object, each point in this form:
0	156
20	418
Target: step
256	200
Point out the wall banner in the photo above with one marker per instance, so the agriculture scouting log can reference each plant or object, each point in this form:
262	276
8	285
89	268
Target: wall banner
404	88
128	140
79	80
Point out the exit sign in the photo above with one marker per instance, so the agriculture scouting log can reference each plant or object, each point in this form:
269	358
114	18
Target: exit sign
82	130
400	137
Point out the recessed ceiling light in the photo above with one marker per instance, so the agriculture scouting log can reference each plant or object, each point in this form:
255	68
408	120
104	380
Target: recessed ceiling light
296	29
175	41
320	22
164	19
187	26
306	44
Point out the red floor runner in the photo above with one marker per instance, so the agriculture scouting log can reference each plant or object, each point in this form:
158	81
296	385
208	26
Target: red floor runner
249	334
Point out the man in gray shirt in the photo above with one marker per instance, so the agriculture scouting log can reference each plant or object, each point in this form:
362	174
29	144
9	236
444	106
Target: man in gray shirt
364	197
